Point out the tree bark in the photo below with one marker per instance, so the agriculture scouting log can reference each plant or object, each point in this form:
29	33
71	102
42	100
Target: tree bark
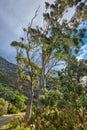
42	80
30	98
29	106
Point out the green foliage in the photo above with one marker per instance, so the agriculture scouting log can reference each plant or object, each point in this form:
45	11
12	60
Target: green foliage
12	109
17	124
3	107
51	97
21	128
54	118
16	100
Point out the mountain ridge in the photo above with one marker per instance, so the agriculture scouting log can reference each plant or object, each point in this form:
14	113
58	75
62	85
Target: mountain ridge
8	74
7	66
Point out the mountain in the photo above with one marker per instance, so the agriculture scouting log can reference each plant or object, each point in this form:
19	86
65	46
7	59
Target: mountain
8	75
8	72
7	66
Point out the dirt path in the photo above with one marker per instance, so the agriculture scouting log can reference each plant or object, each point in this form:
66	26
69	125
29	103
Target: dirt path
5	120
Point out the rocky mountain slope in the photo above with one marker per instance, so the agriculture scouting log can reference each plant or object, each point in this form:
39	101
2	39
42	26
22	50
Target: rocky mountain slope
8	76
7	66
7	72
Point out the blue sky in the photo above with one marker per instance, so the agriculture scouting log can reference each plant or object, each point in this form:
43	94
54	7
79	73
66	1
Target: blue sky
83	51
15	15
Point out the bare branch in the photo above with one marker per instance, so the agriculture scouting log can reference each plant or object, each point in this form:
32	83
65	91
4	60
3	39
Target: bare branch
30	25
56	63
34	16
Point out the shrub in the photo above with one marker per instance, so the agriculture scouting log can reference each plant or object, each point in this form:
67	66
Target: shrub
17	124
14	97
12	109
51	97
3	106
53	118
21	128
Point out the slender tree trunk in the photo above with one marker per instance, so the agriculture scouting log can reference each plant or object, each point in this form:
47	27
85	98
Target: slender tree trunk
29	105
30	98
42	82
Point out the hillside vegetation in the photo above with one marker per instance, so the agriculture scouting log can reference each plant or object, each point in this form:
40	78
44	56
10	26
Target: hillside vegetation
8	73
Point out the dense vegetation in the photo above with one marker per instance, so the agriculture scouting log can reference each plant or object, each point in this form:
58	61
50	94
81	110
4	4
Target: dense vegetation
60	102
13	100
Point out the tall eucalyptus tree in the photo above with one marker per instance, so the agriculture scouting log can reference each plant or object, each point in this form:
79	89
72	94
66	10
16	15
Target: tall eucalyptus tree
45	46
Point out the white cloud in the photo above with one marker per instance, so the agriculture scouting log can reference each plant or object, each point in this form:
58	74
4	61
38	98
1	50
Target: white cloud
17	13
14	15
83	52
68	14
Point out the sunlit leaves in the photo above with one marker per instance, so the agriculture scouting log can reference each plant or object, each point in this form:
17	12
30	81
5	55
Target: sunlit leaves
20	45
51	97
52	118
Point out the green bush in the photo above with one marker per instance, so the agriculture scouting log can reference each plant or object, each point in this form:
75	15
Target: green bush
12	109
13	97
21	128
51	97
17	124
50	118
54	118
3	106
